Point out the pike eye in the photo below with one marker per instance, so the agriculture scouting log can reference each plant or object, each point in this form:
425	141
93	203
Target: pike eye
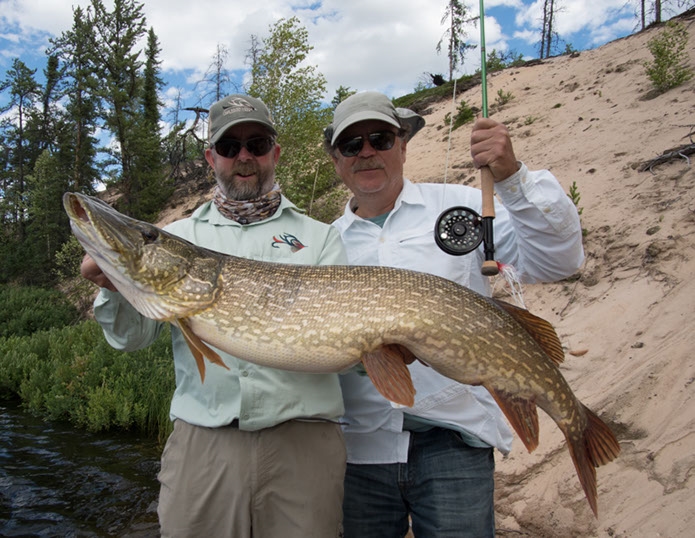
150	235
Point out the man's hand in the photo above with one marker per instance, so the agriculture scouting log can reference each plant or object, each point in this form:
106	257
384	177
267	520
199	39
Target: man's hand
90	270
491	146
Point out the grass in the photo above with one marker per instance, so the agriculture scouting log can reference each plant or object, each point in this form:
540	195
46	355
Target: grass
72	374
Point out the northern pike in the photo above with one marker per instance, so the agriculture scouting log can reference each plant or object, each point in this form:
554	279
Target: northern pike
323	319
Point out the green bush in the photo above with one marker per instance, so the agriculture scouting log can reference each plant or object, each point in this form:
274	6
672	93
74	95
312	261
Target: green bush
503	97
668	68
25	310
73	374
464	114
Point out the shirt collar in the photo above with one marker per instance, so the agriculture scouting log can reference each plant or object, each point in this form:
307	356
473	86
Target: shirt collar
409	195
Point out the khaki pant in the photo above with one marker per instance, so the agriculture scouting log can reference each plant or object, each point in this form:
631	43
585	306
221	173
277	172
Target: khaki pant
281	482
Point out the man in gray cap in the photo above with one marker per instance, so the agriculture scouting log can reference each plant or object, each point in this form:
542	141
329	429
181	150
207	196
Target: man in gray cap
255	451
434	461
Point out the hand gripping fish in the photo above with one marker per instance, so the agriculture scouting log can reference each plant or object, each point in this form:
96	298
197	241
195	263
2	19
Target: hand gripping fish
324	319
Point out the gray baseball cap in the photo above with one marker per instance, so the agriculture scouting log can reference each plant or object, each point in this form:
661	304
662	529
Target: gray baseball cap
235	109
372	106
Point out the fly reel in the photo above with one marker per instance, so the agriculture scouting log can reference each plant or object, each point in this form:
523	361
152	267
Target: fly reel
459	230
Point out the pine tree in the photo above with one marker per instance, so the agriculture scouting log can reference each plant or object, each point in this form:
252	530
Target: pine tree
22	94
78	142
455	16
116	61
150	187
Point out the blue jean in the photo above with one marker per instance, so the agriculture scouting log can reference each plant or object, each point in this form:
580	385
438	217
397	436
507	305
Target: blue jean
447	488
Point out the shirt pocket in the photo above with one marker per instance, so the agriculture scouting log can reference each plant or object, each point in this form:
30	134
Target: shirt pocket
417	250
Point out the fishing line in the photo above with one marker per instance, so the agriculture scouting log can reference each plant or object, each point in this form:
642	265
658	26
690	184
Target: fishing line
448	149
461	230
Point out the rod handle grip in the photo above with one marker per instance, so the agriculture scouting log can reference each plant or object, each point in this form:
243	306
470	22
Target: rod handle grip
487	181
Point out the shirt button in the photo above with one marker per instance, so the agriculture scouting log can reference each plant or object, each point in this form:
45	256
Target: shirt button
244	374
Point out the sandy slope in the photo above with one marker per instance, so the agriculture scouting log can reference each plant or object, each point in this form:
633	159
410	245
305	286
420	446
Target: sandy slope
627	321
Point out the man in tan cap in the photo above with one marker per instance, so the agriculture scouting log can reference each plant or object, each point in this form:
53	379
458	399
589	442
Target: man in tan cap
255	451
434	461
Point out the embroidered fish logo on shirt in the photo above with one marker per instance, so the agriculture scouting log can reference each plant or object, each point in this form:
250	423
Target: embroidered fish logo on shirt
290	240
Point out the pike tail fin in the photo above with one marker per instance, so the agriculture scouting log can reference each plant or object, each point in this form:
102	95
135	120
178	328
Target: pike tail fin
596	446
198	348
387	368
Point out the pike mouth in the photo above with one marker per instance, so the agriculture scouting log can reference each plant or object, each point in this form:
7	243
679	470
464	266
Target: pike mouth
77	209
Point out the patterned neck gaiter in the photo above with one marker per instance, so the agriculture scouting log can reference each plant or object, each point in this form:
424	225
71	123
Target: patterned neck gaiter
248	211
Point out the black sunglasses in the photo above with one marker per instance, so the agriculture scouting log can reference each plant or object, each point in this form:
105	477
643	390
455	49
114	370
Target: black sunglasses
258	146
380	141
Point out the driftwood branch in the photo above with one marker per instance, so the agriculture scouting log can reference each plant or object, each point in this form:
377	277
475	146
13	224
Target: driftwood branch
191	130
672	154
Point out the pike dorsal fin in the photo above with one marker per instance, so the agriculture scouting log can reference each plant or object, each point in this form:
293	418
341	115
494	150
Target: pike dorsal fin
198	348
387	368
521	414
539	329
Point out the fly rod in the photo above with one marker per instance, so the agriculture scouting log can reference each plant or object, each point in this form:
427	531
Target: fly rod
460	230
487	180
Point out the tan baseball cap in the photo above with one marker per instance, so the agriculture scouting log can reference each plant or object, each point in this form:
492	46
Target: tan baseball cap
372	106
235	109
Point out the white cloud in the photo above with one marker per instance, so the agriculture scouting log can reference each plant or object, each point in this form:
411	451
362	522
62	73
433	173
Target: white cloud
364	44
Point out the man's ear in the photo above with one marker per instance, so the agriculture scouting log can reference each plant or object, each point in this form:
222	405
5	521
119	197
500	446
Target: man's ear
210	158
328	135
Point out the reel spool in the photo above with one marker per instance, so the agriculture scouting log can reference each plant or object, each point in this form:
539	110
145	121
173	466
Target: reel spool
459	230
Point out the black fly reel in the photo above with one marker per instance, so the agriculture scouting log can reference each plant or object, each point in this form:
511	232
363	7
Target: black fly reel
459	230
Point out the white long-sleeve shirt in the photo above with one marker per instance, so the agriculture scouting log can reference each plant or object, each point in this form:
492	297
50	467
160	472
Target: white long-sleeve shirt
536	230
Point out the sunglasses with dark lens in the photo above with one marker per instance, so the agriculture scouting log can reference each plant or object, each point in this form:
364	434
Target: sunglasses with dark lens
380	141
258	146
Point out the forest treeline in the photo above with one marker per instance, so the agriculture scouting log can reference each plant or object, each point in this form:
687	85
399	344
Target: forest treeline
100	84
94	117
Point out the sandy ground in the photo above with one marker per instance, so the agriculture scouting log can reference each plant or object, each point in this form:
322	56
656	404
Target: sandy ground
626	320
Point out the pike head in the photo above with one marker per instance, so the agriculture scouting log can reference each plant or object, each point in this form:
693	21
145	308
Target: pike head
163	276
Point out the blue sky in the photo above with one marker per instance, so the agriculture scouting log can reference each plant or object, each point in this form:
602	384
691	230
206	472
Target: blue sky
384	45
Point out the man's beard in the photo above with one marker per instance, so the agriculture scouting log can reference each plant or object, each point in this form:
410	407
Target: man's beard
235	189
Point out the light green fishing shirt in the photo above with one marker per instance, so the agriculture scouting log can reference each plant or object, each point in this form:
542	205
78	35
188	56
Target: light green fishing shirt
259	397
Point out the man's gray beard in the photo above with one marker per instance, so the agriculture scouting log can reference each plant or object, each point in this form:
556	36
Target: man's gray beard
239	191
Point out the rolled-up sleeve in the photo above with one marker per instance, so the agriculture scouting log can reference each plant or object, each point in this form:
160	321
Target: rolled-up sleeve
124	327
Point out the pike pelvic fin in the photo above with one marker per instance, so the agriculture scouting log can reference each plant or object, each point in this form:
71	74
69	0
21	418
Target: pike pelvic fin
596	446
539	329
522	415
387	368
198	348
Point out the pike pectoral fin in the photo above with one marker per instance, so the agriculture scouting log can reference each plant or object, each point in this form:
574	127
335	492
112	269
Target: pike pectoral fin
538	329
198	348
388	370
522	415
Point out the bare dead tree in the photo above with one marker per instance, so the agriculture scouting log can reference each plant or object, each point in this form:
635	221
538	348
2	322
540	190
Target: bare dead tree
548	35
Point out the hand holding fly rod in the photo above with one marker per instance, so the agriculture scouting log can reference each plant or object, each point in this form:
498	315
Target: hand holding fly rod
460	230
487	179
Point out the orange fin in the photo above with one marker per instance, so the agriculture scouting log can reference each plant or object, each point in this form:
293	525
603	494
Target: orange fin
199	348
596	446
387	368
538	329
521	414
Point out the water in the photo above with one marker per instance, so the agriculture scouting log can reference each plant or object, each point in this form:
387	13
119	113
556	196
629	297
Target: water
56	481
